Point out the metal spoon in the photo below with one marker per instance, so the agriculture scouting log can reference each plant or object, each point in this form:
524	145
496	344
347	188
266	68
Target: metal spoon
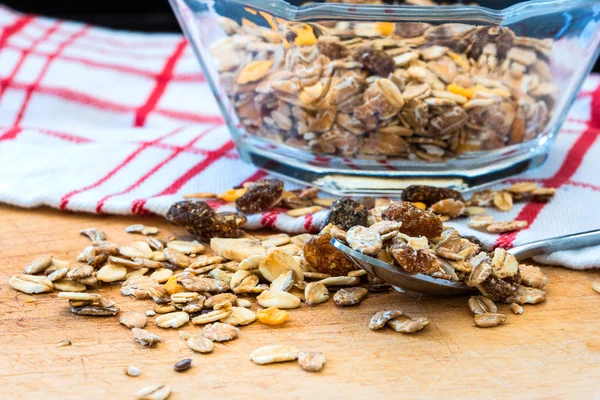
422	283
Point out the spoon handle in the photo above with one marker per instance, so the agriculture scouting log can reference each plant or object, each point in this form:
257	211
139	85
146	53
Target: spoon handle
566	242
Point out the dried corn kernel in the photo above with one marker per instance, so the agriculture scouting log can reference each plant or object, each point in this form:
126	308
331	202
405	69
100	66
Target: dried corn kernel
385	28
232	194
305	37
272	316
172	287
422	206
457	89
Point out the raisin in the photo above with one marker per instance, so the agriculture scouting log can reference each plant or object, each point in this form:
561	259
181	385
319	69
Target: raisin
320	254
480	39
377	62
346	213
504	42
415	221
333	50
260	196
228	224
196	216
500	289
412	260
429	194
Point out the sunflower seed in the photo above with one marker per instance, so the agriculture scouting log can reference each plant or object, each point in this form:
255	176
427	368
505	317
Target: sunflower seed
182	365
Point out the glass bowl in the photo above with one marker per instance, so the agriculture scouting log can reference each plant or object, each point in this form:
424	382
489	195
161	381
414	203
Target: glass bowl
366	99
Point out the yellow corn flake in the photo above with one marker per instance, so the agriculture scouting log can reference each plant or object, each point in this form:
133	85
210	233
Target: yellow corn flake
422	206
232	194
385	28
305	37
272	316
172	287
457	89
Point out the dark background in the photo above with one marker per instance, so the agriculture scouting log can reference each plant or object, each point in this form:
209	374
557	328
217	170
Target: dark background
137	15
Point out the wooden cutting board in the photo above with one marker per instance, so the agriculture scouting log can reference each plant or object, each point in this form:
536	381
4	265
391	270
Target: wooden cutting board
551	351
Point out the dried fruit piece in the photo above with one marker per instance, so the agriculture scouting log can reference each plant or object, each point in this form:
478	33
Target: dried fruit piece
377	62
272	316
429	195
380	319
311	361
350	296
200	344
346	213
278	299
220	332
482	305
195	216
415	221
489	320
260	196
274	353
144	337
414	260
365	240
406	324
323	257
315	293
154	392
133	319
500	289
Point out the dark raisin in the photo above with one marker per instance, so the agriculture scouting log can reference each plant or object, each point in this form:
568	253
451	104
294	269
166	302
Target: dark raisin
228	224
377	62
195	216
182	365
260	196
429	195
413	261
504	42
411	29
320	254
346	213
499	289
480	39
333	50
415	221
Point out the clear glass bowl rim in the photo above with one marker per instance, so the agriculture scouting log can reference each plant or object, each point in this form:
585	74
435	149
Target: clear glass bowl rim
387	12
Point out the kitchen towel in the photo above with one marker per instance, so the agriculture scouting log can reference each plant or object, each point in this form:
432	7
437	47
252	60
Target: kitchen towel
102	121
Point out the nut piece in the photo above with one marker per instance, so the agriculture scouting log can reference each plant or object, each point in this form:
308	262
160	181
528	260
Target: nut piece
133	319
350	296
527	295
200	344
429	195
489	320
506	226
38	265
482	305
320	255
346	213
260	196
132	370
274	353
31	283
172	320
154	392
380	319
144	337
272	316
220	332
406	324
315	293
311	361
516	309
365	240
278	299
182	365
415	221
503	201
240	316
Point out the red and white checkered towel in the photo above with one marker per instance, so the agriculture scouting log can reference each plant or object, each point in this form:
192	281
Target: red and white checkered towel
115	122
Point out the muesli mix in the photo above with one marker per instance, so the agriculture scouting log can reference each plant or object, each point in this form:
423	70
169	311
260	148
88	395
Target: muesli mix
386	90
229	278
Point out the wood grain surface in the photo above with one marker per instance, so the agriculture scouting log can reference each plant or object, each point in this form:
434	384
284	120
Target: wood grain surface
551	351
